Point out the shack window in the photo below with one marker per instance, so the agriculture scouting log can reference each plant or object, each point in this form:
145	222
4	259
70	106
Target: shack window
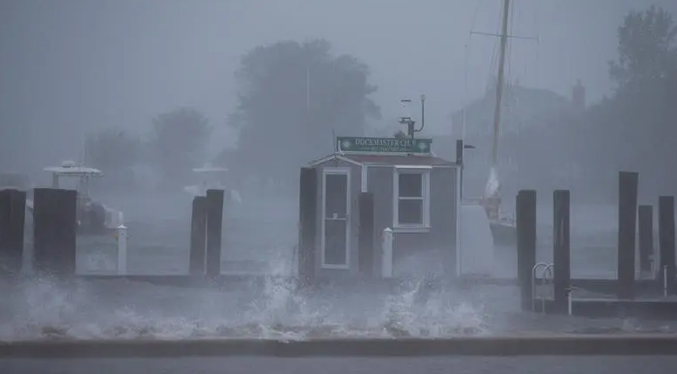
412	198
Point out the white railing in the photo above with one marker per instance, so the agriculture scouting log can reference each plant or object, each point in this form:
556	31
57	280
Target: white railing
547	275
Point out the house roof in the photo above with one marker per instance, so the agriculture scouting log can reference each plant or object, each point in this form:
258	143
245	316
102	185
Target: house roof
386	160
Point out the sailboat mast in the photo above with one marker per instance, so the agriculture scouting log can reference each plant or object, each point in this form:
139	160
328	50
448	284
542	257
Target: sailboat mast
499	84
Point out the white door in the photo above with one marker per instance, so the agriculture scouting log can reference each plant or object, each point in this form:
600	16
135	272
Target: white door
335	213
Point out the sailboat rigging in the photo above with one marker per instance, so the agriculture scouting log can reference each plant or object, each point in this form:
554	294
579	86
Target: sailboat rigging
503	228
492	196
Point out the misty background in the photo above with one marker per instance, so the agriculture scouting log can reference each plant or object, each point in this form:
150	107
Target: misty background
156	87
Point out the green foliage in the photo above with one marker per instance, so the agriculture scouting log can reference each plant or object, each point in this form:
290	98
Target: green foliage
178	140
292	97
111	150
646	49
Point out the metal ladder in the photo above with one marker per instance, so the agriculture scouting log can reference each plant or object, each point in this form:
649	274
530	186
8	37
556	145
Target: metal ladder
547	277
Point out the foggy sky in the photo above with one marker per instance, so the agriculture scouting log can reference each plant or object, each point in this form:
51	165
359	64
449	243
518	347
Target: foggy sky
71	66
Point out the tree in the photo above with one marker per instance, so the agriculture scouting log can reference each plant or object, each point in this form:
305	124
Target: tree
646	49
292	98
179	140
636	127
111	150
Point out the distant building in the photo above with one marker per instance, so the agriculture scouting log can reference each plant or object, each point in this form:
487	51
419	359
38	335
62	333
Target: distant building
522	107
525	114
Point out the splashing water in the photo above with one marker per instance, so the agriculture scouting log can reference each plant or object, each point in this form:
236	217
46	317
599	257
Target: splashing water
45	309
493	184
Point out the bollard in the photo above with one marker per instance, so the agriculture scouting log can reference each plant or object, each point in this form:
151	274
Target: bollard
365	237
121	239
307	226
214	232
561	249
526	245
646	251
569	302
627	226
387	253
666	234
12	222
198	236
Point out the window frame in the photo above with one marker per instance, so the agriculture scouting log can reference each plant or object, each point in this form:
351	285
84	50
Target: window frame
424	172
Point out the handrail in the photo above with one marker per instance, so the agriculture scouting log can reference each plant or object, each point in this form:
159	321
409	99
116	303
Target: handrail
546	271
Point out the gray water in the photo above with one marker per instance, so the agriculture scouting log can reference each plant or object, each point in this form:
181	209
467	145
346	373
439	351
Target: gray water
260	236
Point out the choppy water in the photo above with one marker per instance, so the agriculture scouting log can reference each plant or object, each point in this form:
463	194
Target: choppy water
265	235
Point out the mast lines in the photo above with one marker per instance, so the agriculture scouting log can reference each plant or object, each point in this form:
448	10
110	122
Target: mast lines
499	87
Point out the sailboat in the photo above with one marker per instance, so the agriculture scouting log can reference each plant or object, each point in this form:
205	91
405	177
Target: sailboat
503	228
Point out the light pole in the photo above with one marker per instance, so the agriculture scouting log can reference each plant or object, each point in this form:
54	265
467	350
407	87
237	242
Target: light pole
460	150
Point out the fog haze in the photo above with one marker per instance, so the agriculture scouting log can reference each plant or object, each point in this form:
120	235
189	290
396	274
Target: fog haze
74	66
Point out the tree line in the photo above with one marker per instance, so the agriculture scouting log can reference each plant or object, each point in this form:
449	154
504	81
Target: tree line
634	129
292	98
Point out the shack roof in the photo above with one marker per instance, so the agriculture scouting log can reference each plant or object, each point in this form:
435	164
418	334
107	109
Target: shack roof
74	171
386	160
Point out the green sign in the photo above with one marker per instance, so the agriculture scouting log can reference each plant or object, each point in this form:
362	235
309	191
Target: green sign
383	145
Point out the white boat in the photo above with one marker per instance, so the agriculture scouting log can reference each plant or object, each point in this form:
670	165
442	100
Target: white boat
93	217
210	177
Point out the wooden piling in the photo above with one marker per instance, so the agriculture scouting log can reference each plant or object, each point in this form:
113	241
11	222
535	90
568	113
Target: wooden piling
526	243
366	237
666	234
54	231
12	222
646	246
44	206
214	232
561	250
66	232
627	226
198	236
307	226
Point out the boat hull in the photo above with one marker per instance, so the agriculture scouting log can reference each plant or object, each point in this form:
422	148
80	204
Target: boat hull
505	235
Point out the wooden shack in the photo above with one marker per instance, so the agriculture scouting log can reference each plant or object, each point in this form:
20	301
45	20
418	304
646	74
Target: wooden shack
414	193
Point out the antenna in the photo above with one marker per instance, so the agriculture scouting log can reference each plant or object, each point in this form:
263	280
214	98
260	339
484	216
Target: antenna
406	119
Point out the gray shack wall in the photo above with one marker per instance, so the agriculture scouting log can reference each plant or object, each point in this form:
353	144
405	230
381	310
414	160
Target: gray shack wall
442	235
440	238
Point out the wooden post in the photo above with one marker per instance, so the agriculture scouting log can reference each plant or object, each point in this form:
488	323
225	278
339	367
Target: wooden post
526	243
214	232
666	234
561	250
366	234
54	231
44	206
627	226
66	230
307	225
12	222
646	251
198	236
